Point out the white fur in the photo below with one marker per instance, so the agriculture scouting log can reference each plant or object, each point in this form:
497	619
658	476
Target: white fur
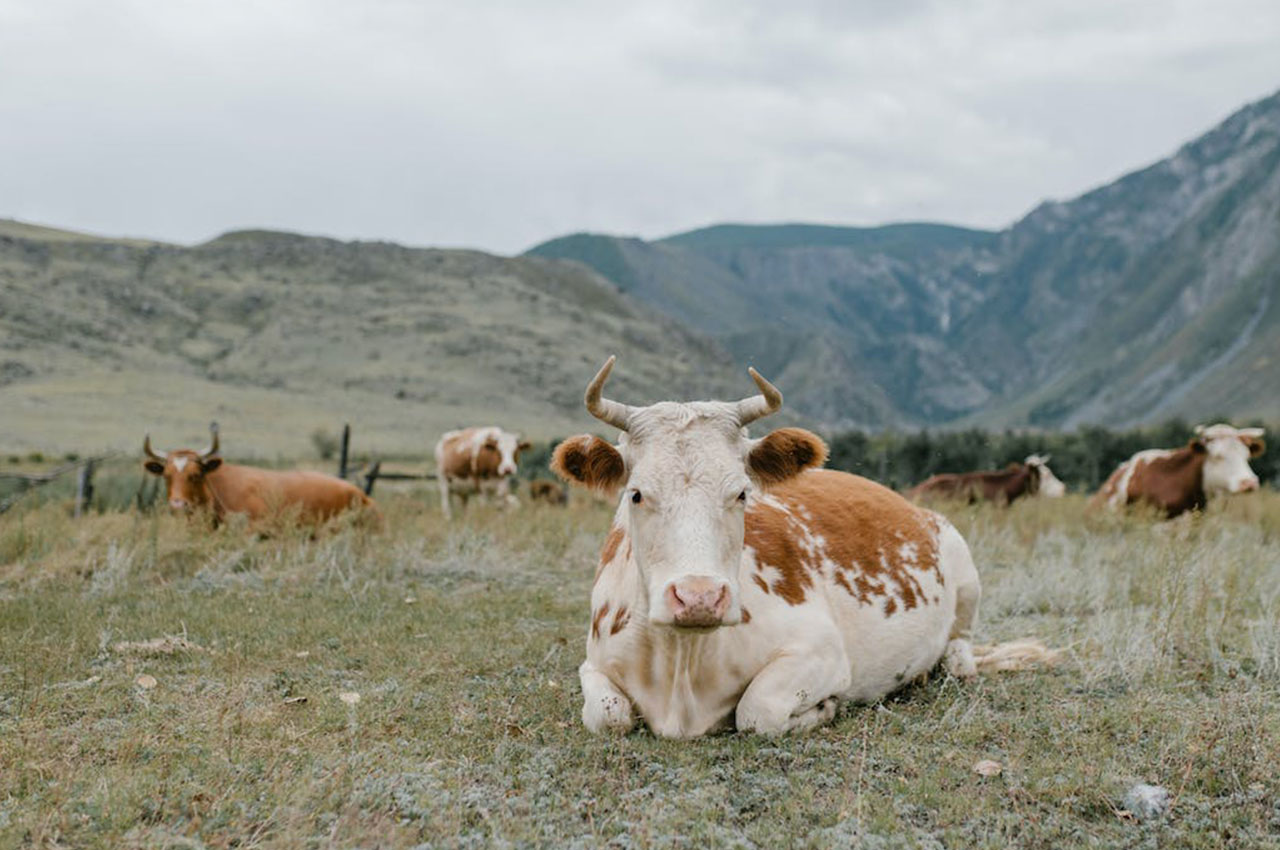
1050	486
789	667
180	462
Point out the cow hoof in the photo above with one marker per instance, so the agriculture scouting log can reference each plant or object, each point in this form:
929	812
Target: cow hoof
607	714
958	660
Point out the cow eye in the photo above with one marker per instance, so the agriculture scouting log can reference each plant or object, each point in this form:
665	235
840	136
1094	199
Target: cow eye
742	497
636	498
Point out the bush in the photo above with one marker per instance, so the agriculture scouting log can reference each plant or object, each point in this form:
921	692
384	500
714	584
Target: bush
326	444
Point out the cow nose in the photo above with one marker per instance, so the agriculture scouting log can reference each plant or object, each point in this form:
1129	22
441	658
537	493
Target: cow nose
506	469
697	602
178	504
1248	484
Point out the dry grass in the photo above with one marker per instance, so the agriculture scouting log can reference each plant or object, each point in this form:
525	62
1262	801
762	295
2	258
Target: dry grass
462	642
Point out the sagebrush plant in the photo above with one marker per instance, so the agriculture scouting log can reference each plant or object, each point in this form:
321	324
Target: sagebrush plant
462	642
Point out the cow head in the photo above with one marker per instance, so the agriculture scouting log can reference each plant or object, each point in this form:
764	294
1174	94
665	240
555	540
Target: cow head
686	471
184	472
1047	484
500	450
1227	451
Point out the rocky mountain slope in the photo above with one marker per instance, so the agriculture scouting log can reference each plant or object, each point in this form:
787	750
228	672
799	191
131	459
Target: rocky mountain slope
1157	295
275	335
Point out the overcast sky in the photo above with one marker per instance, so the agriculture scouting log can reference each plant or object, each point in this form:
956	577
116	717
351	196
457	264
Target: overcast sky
499	124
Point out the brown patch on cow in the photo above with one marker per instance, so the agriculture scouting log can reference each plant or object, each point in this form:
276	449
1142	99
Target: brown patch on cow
620	620
610	549
1000	486
890	606
460	458
1174	483
879	543
591	462
746	616
597	618
760	582
784	454
1256	445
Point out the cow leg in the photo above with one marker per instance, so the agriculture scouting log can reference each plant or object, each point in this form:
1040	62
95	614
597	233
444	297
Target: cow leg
957	659
443	482
604	707
794	692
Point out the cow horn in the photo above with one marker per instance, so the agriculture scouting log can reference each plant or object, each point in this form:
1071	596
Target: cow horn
769	401
1252	432
606	410
146	449
213	447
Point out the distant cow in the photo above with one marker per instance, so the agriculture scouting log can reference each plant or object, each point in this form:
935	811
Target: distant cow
1176	480
198	481
1033	477
550	492
477	461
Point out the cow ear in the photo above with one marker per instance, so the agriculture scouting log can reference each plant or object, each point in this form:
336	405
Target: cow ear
1256	445
783	454
1197	445
155	467
591	462
524	446
210	464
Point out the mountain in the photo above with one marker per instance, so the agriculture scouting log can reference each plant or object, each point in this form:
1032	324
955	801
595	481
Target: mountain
276	335
1157	295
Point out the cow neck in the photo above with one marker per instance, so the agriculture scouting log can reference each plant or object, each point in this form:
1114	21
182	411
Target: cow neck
211	480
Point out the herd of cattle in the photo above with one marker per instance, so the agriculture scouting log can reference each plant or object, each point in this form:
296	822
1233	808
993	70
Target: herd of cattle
742	585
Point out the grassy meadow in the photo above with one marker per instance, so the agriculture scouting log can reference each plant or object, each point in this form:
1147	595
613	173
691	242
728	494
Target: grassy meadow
418	688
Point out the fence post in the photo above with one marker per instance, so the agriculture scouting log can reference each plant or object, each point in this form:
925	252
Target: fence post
371	477
84	489
342	453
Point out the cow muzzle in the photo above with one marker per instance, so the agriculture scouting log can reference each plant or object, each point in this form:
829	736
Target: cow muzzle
1247	485
697	602
179	505
506	469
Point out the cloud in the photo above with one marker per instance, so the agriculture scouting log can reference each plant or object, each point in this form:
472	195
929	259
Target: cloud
496	125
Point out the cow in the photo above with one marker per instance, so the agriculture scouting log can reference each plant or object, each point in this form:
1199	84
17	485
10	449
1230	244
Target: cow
742	585
477	461
549	492
1214	462
198	481
1032	477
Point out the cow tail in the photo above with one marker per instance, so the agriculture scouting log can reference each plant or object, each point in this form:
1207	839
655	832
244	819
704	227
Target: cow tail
1022	654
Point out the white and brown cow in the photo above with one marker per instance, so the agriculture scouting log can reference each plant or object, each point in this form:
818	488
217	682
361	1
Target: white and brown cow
477	461
742	585
1216	461
1033	477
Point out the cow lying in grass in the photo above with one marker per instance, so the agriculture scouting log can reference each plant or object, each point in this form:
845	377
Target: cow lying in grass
1032	477
203	482
1215	462
743	585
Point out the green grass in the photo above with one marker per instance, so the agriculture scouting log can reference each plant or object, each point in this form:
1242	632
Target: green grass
463	641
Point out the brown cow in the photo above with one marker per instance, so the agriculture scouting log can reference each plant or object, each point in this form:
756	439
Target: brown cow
1216	461
477	461
197	481
552	493
1030	478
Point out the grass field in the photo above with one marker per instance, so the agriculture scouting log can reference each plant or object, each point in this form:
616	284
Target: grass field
462	644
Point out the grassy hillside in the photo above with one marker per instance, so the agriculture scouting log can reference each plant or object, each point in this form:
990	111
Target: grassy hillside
275	335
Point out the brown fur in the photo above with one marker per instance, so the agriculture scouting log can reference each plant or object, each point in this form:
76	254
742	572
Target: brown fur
1256	445
1173	484
229	489
549	492
590	461
597	618
1002	486
864	528
784	453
